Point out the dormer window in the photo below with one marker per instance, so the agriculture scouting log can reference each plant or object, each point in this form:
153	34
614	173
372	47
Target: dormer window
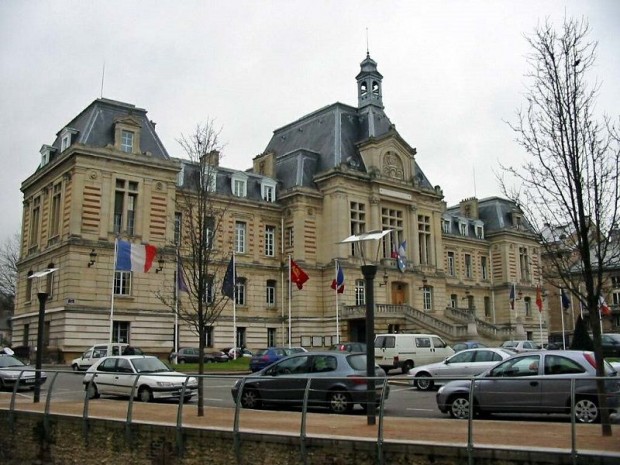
239	185
66	136
463	228
46	154
479	230
268	191
445	226
127	141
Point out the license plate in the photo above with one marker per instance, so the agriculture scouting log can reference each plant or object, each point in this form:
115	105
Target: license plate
29	381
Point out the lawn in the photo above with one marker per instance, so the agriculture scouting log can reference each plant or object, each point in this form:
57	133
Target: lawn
241	364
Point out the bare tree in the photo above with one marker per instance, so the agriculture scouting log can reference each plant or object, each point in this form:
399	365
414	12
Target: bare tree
9	256
202	259
569	184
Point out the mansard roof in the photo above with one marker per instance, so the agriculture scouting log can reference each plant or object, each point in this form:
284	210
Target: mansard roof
94	127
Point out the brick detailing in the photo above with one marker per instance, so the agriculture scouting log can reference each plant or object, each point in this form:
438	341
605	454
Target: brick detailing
91	209
158	216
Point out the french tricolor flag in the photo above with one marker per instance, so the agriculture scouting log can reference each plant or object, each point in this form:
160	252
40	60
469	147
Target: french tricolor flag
134	257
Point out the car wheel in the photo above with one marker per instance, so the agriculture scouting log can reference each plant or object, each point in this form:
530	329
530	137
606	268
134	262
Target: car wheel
424	383
250	398
586	410
181	361
93	392
75	367
187	399
459	407
145	394
339	402
408	365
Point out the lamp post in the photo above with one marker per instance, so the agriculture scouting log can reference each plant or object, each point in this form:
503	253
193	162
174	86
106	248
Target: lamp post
369	271
40	330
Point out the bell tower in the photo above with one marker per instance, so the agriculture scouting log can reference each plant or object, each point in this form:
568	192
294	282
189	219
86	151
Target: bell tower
369	91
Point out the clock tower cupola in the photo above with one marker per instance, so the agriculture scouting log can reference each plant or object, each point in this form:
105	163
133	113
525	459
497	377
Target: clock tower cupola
369	91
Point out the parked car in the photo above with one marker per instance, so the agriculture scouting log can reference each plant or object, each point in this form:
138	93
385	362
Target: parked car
337	382
184	355
11	368
406	351
534	382
265	357
610	343
466	363
237	352
467	345
520	346
349	347
116	376
99	351
216	356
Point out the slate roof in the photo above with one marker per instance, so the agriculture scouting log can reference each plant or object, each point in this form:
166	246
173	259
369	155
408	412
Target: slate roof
495	213
95	127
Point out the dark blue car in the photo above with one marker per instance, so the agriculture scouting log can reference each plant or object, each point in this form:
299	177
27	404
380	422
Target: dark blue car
264	357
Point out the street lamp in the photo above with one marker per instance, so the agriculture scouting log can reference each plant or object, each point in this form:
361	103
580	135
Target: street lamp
40	329
369	271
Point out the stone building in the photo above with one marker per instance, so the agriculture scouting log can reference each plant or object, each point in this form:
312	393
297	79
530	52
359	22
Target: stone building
338	171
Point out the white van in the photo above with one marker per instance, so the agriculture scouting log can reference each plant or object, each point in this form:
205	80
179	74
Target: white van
95	353
406	351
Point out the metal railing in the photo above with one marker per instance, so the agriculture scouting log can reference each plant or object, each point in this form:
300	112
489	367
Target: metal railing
309	394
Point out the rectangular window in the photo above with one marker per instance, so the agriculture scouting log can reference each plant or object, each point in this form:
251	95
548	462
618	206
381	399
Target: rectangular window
65	143
392	219
424	239
209	232
241	336
272	337
49	282
240	292
360	292
487	307
240	230
209	341
454	301
290	237
25	341
468	268
480	231
125	206
270	241
35	217
484	267
451	267
127	141
55	212
528	306
463	228
120	332
209	291
427	296
270	293
178	223
122	283
615	297
357	221
524	263
29	286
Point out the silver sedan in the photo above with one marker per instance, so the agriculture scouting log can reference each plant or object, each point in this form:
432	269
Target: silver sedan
463	364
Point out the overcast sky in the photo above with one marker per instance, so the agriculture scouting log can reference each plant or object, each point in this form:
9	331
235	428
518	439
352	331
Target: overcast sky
453	73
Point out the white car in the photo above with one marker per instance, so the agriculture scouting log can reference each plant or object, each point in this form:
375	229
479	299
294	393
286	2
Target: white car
117	376
463	364
520	346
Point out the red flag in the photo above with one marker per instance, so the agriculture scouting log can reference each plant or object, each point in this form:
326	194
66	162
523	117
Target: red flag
298	276
539	302
605	310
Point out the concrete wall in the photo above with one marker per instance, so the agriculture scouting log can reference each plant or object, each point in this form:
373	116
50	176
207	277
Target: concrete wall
25	439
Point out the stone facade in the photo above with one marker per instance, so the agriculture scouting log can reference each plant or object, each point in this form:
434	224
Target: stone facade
338	171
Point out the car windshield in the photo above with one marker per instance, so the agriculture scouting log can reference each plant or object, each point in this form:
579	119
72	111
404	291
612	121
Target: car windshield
509	344
10	361
149	365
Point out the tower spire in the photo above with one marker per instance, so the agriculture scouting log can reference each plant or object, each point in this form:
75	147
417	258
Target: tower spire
369	82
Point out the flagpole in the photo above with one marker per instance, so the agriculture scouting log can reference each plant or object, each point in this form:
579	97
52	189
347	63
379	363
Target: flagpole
562	315
337	290
234	277
176	303
112	299
289	300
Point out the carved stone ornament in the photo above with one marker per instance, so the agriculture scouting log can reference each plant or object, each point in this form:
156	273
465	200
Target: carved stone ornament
93	175
159	186
393	166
